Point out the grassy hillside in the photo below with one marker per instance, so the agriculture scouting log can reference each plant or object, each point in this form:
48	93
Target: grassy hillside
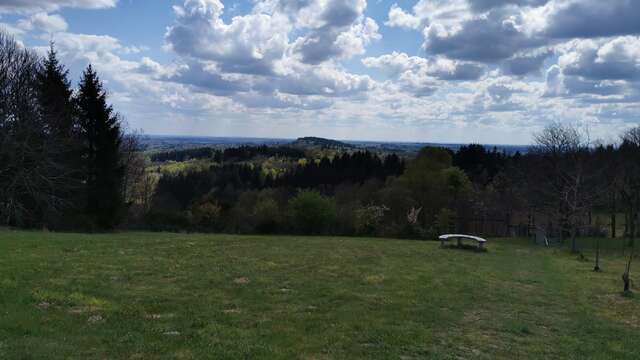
143	295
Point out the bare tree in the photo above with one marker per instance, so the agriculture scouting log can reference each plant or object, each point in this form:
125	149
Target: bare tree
139	184
629	180
28	177
629	191
565	177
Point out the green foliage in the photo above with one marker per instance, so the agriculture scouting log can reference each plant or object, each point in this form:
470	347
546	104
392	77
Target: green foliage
267	215
369	218
206	214
312	213
159	220
445	221
433	183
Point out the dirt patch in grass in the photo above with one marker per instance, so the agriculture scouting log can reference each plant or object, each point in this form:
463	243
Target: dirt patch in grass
374	279
618	308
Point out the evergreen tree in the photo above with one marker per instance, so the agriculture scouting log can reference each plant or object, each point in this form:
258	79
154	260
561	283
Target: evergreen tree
57	113
102	137
56	97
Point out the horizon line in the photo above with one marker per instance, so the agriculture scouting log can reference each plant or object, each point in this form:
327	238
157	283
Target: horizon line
336	139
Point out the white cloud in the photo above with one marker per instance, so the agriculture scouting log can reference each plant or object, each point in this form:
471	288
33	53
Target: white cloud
44	22
396	64
27	6
249	44
252	55
400	18
337	29
498	66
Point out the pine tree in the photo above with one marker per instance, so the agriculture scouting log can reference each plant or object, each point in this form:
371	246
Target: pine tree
56	97
58	115
102	137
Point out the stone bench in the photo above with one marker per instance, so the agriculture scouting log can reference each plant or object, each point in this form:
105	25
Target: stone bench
460	237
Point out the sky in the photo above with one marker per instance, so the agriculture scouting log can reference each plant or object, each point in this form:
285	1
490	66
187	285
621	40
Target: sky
482	71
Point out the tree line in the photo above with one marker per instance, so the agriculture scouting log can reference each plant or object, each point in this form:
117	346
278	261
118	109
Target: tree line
226	182
232	154
563	186
63	151
66	163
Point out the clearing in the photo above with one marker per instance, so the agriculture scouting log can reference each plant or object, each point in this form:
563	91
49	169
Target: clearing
194	296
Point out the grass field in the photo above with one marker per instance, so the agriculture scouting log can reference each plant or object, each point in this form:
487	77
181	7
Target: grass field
147	296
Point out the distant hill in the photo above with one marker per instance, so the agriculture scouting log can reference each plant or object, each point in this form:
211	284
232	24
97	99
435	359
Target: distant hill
315	142
155	143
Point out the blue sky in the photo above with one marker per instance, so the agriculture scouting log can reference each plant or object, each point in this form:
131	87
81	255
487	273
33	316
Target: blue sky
490	71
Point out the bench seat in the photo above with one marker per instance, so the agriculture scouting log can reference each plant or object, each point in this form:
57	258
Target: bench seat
460	237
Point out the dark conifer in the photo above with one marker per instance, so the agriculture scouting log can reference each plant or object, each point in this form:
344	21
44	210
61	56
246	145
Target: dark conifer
102	137
58	116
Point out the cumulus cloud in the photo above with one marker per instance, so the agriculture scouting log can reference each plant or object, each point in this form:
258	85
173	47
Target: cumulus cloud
325	80
485	5
252	55
512	63
396	63
491	38
25	6
204	77
422	77
525	64
44	22
338	29
615	59
495	30
593	18
83	45
249	44
400	18
278	100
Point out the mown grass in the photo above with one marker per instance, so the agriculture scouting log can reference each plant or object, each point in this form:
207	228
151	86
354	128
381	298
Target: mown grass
147	296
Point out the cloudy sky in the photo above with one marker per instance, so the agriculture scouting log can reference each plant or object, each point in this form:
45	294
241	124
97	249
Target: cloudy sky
490	71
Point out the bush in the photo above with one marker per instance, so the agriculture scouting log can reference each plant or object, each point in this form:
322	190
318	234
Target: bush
445	221
173	221
312	213
369	218
267	216
206	215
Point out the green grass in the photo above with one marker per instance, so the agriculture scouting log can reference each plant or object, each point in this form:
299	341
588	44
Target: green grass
147	296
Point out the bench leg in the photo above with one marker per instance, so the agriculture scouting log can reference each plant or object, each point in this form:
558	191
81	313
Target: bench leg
480	245
441	243
459	242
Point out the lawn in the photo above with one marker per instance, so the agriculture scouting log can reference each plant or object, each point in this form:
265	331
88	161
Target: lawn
147	296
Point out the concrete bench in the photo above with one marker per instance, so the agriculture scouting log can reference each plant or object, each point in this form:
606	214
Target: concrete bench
460	237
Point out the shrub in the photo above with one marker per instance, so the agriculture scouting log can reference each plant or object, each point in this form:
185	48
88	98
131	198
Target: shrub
445	221
369	218
312	213
174	221
267	216
206	214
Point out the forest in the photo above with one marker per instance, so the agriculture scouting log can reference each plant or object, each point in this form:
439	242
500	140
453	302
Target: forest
69	163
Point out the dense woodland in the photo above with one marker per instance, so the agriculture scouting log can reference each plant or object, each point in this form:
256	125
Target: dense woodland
240	153
63	153
68	165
